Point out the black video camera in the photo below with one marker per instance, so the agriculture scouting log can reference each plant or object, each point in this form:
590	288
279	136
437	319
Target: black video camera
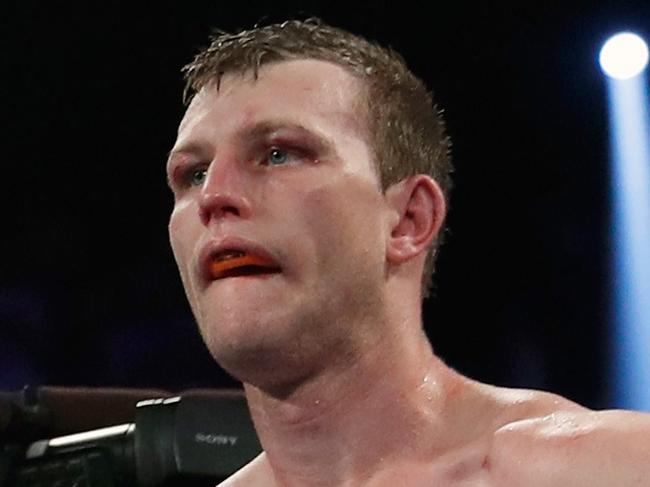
60	437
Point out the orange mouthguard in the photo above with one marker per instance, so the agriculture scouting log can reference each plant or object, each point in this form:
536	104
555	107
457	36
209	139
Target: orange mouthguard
219	268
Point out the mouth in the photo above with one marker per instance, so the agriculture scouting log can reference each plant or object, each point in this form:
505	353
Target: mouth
239	263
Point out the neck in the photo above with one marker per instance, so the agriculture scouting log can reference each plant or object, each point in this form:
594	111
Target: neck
342	423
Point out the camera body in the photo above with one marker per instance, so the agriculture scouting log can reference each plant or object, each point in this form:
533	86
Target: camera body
197	438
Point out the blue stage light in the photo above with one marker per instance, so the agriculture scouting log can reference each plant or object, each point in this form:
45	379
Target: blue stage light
624	56
630	183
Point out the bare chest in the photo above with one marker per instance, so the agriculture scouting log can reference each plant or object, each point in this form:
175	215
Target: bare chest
469	467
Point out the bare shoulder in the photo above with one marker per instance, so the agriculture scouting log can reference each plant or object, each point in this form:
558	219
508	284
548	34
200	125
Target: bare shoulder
527	403
561	443
257	473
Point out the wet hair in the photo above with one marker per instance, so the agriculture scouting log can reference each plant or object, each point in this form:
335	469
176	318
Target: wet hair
406	129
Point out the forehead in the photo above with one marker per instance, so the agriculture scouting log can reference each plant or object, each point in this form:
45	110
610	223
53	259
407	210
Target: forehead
312	93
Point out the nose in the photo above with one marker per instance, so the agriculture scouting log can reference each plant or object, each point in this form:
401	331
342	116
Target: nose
223	193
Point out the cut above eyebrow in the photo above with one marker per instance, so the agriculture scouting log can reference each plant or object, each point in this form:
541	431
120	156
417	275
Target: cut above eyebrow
195	147
175	152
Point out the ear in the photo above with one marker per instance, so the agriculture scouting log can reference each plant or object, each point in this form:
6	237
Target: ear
418	211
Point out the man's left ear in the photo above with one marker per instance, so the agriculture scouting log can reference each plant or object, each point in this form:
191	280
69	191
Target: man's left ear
419	209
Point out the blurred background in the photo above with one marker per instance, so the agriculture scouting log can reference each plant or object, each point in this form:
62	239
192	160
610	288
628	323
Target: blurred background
91	97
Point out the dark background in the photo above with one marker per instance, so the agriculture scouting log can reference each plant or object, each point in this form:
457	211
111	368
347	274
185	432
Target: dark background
91	97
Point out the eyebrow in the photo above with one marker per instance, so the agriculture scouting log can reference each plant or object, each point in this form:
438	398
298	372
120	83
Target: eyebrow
267	128
260	130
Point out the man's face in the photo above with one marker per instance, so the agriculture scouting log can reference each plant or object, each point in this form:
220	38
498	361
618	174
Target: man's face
278	169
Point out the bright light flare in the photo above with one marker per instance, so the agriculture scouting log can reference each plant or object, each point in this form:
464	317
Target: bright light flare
624	56
630	145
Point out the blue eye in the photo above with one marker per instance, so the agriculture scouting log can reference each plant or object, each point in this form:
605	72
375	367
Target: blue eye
276	156
196	176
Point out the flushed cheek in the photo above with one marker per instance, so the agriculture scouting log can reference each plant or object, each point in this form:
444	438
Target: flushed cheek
183	223
183	241
176	237
343	233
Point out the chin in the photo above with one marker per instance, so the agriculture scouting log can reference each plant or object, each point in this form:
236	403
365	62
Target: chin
262	349
243	333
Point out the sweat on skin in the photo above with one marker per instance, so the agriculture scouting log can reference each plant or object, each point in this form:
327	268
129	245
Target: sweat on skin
342	383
